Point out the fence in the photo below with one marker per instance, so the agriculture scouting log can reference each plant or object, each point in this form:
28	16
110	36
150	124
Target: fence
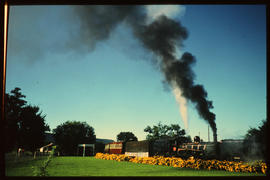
23	157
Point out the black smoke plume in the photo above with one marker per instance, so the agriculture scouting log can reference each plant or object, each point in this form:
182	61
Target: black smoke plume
162	37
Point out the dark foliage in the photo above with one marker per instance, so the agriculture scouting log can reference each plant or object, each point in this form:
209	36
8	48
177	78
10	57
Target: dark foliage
173	131
126	136
32	128
14	103
255	142
71	133
25	125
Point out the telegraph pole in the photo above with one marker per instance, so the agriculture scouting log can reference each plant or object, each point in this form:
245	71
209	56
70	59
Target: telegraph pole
4	11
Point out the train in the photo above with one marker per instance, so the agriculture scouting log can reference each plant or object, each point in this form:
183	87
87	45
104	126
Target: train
143	148
229	149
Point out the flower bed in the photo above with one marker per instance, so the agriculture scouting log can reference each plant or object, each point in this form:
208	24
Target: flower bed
257	167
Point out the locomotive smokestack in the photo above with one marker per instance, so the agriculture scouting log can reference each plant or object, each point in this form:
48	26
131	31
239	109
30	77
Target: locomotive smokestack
208	135
215	137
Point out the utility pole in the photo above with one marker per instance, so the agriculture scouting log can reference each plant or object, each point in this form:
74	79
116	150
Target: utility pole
4	11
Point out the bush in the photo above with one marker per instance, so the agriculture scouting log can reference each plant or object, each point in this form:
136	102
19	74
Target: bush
257	167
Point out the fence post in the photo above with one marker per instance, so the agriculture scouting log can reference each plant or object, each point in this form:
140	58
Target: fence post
83	150
35	154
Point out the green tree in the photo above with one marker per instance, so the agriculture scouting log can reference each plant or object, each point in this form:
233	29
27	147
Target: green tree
255	142
71	133
14	102
32	128
156	132
173	131
24	125
126	136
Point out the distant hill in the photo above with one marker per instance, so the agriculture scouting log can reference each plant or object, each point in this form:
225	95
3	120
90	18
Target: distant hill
49	139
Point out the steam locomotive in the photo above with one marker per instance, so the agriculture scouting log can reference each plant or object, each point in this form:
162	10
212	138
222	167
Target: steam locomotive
230	149
224	150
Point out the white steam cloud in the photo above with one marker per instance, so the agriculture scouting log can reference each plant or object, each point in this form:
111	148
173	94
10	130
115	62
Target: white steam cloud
182	103
171	11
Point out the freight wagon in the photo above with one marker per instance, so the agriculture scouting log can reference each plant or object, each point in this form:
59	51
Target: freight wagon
139	148
114	148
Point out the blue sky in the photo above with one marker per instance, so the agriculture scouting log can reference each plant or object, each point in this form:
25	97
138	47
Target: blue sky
116	87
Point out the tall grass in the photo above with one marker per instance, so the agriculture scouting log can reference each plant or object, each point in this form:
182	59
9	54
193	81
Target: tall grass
42	170
27	164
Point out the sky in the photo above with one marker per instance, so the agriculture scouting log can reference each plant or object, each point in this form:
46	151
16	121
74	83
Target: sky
117	86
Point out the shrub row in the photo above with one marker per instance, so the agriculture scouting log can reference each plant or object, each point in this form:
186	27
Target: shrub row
232	166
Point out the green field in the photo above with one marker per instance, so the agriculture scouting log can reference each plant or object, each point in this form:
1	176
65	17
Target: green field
89	166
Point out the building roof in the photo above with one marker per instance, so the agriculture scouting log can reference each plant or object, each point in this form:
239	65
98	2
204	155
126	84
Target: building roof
104	141
49	138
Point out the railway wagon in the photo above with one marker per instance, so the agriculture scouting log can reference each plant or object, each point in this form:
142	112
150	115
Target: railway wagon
231	149
143	148
114	148
147	148
138	148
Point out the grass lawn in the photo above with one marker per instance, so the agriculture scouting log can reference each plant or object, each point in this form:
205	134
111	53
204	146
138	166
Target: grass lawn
89	166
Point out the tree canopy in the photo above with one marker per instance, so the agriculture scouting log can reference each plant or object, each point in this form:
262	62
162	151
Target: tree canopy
255	142
126	136
173	131
71	133
32	128
25	125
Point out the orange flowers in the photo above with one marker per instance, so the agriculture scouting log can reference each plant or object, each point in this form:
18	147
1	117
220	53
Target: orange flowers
257	167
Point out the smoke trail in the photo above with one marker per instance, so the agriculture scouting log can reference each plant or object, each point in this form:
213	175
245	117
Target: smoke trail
182	104
97	22
162	36
181	72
